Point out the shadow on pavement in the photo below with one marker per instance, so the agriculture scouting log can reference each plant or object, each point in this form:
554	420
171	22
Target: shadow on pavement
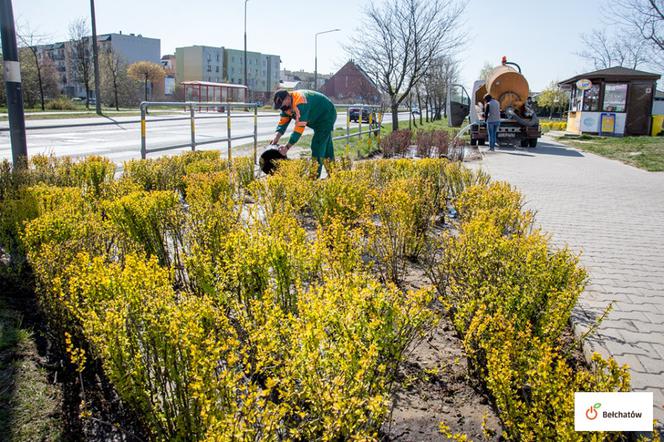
117	124
541	149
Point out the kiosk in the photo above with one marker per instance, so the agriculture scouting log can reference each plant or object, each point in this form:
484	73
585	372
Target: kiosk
616	98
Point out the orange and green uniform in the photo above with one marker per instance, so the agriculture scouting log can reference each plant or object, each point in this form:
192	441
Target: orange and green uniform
313	109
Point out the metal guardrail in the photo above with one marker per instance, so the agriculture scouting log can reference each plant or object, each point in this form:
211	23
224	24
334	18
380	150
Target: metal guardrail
192	117
374	112
374	116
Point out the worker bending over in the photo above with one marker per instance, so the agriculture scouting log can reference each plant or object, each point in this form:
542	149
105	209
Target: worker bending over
308	108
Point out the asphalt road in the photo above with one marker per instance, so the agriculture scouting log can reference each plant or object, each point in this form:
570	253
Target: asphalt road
120	140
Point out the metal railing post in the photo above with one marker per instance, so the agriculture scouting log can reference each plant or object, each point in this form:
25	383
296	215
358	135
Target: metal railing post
369	138
347	129
228	126
359	132
193	128
255	132
380	124
143	143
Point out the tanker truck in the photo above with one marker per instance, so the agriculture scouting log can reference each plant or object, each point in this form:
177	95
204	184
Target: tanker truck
519	125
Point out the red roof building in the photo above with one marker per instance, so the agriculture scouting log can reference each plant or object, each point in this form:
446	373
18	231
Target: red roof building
351	84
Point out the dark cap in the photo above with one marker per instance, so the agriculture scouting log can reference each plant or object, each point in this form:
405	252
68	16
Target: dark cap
279	97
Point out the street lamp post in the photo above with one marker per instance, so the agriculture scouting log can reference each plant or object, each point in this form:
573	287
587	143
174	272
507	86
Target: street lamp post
316	56
95	57
245	45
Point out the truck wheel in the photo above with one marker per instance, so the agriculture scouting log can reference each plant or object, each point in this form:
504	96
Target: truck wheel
523	142
481	142
532	142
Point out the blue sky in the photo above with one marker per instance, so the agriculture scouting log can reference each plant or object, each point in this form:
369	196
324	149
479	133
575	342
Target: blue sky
542	36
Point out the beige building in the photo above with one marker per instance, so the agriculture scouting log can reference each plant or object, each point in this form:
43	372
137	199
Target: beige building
222	65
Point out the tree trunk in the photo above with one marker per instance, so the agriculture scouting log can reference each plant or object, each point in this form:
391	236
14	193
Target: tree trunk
146	88
427	103
419	105
395	116
41	88
115	94
87	96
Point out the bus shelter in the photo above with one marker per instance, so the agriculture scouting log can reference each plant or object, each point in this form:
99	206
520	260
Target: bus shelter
613	101
206	91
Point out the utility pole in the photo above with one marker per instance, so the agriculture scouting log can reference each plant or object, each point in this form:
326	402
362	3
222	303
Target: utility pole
245	45
13	88
95	57
316	56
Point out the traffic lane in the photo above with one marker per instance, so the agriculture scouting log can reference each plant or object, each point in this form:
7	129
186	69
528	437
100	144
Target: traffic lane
123	140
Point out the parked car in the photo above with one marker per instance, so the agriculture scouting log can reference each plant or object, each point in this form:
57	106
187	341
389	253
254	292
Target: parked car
354	113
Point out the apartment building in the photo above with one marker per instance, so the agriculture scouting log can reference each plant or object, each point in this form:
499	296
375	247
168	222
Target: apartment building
223	65
130	47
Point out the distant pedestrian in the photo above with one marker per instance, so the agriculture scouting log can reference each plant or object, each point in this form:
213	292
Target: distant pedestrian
492	118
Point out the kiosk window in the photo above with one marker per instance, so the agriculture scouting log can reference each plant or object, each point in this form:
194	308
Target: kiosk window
591	99
577	99
615	96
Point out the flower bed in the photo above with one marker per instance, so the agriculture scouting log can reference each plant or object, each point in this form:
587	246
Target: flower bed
221	307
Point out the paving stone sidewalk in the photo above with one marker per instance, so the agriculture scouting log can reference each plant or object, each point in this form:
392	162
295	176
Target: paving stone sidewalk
614	214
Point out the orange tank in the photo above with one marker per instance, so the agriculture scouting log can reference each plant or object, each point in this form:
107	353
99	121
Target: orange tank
507	86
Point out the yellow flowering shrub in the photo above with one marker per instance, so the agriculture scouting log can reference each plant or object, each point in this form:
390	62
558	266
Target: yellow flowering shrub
532	382
501	200
151	219
344	194
25	204
289	190
212	206
167	172
222	307
243	169
510	298
207	165
553	125
405	210
195	368
341	248
517	273
93	174
459	178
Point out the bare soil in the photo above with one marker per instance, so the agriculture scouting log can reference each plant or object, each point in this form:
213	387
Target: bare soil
435	386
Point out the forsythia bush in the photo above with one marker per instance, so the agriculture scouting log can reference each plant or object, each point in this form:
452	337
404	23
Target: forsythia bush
553	125
510	297
222	307
214	312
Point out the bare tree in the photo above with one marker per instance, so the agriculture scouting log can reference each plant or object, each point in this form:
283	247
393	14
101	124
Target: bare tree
39	80
644	16
486	70
643	20
31	40
81	54
118	89
606	51
399	40
442	72
113	67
